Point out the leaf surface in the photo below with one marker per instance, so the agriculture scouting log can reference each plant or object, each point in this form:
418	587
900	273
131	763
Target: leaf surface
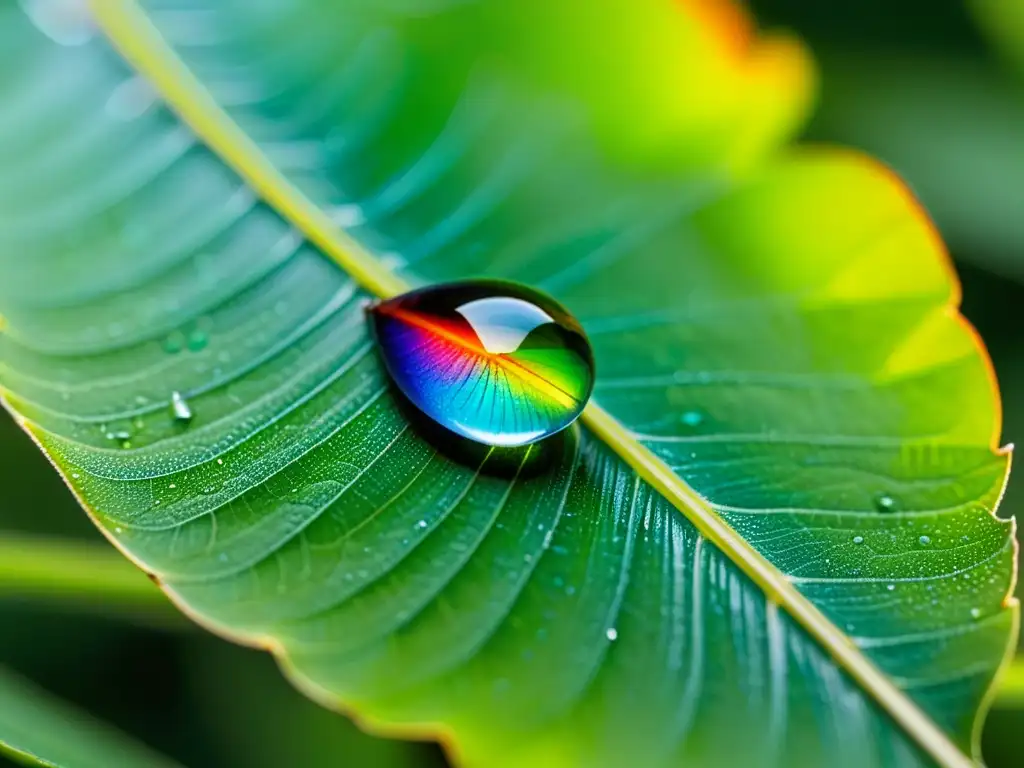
777	348
38	729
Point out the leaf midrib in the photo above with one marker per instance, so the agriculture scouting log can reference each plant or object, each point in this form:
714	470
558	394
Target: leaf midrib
131	32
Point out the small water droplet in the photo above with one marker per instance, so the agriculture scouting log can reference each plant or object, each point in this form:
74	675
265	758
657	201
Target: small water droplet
174	343
121	436
692	418
197	340
885	503
75	475
117	529
858	539
890	587
612	633
976	613
421	524
924	540
220	461
138	422
180	407
172	485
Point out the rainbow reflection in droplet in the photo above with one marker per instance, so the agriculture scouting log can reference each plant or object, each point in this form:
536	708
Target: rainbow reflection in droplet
493	361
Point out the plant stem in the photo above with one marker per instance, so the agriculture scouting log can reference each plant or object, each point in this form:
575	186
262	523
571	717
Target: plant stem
78	575
1011	691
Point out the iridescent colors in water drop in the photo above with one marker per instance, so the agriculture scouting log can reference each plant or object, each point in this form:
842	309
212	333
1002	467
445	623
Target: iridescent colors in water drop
497	362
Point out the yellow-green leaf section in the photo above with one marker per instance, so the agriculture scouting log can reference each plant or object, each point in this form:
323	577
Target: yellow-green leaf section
779	357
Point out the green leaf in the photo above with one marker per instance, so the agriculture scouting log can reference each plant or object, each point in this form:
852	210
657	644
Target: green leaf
779	523
911	111
38	729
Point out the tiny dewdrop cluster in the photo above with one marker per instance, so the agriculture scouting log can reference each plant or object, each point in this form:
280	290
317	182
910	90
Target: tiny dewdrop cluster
493	361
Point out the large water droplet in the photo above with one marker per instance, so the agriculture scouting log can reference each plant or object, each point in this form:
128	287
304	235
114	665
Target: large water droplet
885	503
493	361
924	540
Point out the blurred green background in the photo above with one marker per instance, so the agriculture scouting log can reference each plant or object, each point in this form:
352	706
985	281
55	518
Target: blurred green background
917	83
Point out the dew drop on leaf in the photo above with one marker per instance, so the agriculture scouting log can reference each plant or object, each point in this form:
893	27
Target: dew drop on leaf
174	343
858	539
612	633
924	540
692	418
975	613
885	503
121	436
493	361
180	407
197	340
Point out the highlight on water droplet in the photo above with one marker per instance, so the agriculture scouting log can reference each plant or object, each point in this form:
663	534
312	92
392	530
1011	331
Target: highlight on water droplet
493	361
180	407
885	503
